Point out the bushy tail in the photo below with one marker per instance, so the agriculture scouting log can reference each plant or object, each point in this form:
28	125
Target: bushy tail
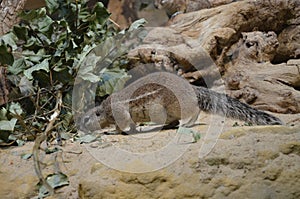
213	102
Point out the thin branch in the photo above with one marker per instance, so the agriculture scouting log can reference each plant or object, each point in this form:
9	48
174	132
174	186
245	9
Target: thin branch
41	138
23	124
115	23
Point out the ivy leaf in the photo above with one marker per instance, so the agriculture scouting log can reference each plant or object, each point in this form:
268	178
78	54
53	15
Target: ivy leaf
8	125
15	108
3	113
51	150
30	44
44	65
6	56
20	142
52	5
33	14
13	138
25	86
86	71
20	32
17	67
101	13
9	39
35	57
86	138
53	39
44	24
185	130
89	76
63	75
55	181
26	156
112	80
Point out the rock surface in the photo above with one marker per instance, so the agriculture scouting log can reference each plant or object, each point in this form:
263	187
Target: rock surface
246	162
174	7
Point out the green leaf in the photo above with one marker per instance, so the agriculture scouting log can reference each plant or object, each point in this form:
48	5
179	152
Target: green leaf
35	57
26	156
63	76
4	135
87	138
248	124
88	67
52	5
6	56
43	79
9	39
185	130
15	108
21	32
25	86
51	150
101	13
33	14
90	77
196	136
17	67
31	43
55	181
20	142
112	80
3	113
8	125
44	24
44	65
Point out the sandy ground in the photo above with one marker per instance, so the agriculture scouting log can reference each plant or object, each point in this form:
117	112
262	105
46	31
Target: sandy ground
120	165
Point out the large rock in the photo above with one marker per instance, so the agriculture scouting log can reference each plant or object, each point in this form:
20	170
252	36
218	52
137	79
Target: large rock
261	162
252	162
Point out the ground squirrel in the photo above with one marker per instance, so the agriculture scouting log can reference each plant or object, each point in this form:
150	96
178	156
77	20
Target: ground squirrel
165	98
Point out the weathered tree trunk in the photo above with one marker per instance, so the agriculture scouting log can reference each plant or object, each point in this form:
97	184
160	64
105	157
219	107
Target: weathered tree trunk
9	10
224	35
218	28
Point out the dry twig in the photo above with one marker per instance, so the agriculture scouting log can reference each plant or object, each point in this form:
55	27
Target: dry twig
41	138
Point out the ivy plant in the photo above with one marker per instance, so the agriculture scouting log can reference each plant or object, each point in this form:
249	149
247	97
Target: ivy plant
42	55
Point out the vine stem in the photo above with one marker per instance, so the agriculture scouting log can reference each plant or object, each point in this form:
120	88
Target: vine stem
41	138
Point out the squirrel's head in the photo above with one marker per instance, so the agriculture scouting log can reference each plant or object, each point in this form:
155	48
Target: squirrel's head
94	119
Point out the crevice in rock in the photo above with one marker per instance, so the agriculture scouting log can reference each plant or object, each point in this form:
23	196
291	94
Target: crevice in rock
296	87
